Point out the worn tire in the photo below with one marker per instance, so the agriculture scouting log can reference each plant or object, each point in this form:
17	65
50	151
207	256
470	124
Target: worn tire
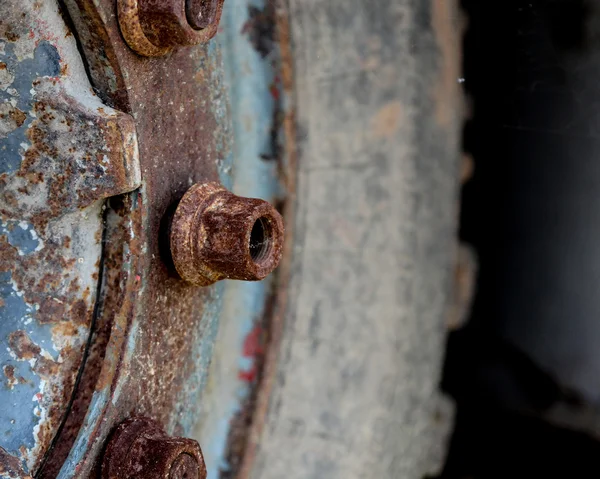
378	118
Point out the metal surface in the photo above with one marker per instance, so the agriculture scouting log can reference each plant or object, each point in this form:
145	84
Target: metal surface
154	27
139	448
260	92
63	153
154	333
217	235
150	342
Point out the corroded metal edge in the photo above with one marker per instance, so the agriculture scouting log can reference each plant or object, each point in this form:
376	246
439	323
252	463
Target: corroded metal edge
115	323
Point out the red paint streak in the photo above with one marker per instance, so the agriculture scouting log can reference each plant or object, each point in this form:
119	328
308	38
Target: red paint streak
274	91
253	347
248	376
39	396
253	344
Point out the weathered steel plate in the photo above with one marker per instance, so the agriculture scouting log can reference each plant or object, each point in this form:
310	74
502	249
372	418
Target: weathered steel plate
62	152
155	333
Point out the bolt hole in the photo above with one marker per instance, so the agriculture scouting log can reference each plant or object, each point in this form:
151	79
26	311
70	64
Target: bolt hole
201	13
260	240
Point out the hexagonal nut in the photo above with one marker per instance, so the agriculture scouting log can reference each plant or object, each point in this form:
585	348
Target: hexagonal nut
154	27
139	448
217	235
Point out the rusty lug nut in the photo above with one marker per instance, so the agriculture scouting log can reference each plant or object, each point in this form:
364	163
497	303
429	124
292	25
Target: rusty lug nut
139	448
216	235
153	27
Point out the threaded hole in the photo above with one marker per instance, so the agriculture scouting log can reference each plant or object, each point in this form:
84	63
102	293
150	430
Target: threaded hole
201	13
260	240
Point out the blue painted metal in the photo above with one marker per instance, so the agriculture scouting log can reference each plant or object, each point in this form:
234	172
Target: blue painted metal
57	160
251	66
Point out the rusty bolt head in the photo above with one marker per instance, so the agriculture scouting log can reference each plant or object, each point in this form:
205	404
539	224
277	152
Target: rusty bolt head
139	448
153	27
216	235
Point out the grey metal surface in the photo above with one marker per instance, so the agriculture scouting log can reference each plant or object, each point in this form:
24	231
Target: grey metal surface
379	116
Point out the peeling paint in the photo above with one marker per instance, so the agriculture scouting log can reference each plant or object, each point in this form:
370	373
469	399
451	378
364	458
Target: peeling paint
51	195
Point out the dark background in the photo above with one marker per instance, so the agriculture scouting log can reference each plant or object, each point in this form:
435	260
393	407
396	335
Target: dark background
525	370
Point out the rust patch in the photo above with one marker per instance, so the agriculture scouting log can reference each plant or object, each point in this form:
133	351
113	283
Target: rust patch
55	177
25	349
11	467
9	372
11	118
22	346
69	157
448	36
261	29
17	116
113	321
46	368
11	36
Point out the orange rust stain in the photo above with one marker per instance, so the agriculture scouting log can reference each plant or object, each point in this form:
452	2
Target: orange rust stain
46	368
448	37
65	329
10	466
17	116
22	345
387	120
9	372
